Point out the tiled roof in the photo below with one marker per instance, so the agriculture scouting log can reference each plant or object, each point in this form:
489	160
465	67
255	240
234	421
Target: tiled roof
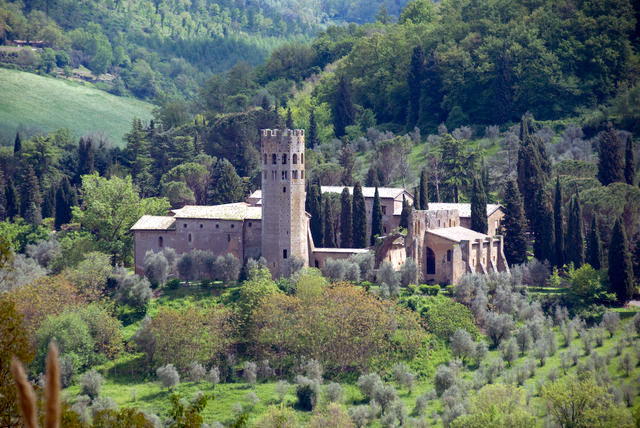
236	211
457	233
154	222
464	210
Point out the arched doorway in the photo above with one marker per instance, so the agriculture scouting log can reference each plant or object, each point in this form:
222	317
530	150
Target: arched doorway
431	262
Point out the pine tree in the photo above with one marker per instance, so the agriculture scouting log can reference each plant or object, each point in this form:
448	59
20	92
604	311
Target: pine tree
406	211
312	136
12	200
346	225
424	194
315	209
610	164
329	233
575	234
414	81
543	248
594	246
49	202
31	201
359	218
65	199
376	217
226	186
533	167
620	267
289	122
479	221
514	225
343	110
558	222
17	144
629	163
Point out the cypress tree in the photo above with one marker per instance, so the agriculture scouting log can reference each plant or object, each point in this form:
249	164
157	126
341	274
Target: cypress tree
12	200
329	233
376	217
594	246
610	165
49	202
86	159
31	206
404	215
423	196
543	248
514	225
416	201
359	218
312	136
620	268
315	209
629	163
635	260
479	221
533	167
345	219
64	201
558	222
3	197
372	177
343	110
17	144
414	81
575	236
289	122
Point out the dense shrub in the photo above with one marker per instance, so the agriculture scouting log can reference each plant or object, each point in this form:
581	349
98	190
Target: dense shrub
168	376
156	268
442	316
91	384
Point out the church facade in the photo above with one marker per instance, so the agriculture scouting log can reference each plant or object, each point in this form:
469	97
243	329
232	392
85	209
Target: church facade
273	223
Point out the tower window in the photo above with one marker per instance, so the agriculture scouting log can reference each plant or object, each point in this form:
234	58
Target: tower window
217	226
294	174
294	159
284	189
233	225
284	159
249	224
265	159
228	238
284	254
301	157
285	175
184	225
302	175
189	237
160	241
274	159
201	225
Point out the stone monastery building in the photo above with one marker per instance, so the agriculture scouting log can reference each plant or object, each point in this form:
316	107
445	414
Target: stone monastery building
273	223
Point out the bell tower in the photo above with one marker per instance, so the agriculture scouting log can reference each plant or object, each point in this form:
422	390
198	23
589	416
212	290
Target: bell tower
284	220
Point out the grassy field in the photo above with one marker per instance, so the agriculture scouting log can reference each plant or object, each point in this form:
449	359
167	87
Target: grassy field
46	104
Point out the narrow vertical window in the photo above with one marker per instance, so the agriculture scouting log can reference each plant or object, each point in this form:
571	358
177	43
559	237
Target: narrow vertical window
265	159
274	159
284	254
189	237
284	190
294	159
160	241
284	159
301	157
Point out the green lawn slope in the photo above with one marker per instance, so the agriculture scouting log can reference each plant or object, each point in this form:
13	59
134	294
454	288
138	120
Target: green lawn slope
47	104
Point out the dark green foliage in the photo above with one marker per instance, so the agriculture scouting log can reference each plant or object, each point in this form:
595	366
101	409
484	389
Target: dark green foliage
629	163
226	186
542	225
31	201
514	225
86	159
372	179
610	163
594	246
329	234
65	199
620	267
17	144
314	200
479	221
346	225
312	133
359	218
406	211
636	260
458	165
12	200
533	167
376	217
575	234
558	223
423	195
414	85
343	110
49	202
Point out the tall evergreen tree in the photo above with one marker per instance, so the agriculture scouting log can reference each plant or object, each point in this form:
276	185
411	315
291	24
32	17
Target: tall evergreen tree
315	209
414	81
503	86
312	135
635	260
594	245
629	163
3	197
31	201
424	194
289	122
344	113
49	202
226	185
533	167
359	218
406	211
575	234
610	163
17	144
514	225
346	225
457	164
620	267
65	199
479	221
86	159
12	200
376	217
543	248
329	234
558	222
372	177
416	201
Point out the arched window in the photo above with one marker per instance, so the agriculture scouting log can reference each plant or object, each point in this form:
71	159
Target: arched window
294	159
431	262
301	157
160	242
284	159
274	159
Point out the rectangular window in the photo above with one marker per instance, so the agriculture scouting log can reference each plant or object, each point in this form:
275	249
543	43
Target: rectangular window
284	254
294	174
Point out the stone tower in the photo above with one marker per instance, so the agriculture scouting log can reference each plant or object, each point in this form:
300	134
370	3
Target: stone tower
284	220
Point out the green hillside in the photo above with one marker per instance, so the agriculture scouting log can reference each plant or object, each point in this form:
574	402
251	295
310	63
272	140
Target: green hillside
47	104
